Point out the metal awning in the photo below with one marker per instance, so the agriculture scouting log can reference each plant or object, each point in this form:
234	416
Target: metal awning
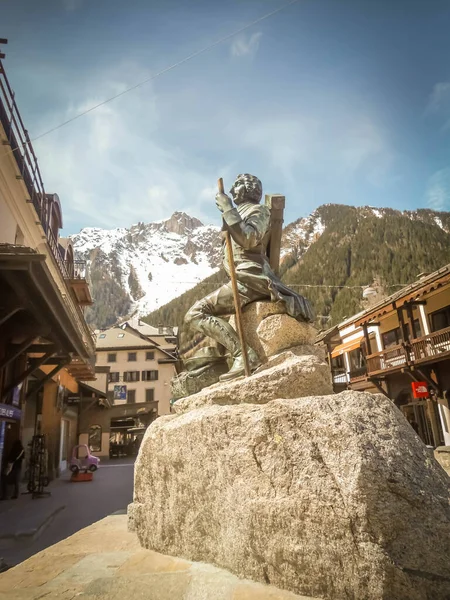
347	347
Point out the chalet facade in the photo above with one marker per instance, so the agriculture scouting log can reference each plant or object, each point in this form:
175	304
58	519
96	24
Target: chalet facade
401	347
46	347
139	363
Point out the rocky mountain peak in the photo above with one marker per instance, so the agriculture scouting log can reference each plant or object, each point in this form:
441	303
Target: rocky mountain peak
181	223
142	268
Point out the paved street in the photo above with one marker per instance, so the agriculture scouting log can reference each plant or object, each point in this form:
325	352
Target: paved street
110	491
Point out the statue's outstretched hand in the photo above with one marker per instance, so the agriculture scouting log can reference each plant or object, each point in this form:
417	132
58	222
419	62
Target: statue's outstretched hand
223	202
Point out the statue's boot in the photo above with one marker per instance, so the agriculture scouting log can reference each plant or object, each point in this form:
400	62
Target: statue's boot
221	331
238	369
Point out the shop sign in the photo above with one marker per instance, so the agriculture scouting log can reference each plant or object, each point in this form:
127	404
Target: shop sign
73	400
2	439
7	411
16	395
420	389
120	392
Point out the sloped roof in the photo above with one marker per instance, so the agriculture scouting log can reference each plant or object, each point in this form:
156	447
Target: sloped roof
410	292
405	294
127	337
116	337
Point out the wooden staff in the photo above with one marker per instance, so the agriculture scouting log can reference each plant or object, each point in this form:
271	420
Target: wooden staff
237	303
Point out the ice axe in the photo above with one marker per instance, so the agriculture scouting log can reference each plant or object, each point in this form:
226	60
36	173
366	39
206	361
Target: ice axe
237	304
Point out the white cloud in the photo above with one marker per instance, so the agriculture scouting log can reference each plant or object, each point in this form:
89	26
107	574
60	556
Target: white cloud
245	45
438	190
286	142
439	103
111	167
71	5
439	98
339	146
208	193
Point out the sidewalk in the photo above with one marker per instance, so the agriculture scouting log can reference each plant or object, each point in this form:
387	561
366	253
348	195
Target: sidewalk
105	562
23	520
28	526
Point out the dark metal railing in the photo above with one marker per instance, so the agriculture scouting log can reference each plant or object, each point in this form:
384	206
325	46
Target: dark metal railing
21	147
76	269
54	247
27	163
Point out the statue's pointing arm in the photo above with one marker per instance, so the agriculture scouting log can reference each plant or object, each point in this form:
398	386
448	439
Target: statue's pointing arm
250	231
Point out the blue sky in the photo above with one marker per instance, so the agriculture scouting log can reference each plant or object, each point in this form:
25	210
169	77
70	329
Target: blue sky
327	101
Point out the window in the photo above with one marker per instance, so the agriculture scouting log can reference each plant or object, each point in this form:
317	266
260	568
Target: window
391	338
132	356
131	376
20	239
112	357
356	361
417	329
113	376
440	319
95	438
149	375
102	336
150	395
337	362
149	356
131	396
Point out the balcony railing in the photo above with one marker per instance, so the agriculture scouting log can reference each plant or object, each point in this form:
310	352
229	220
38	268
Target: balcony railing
21	146
76	269
340	375
417	350
431	345
54	247
391	358
26	160
27	163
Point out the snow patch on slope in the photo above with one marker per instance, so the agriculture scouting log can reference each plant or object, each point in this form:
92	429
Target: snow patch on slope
299	236
165	259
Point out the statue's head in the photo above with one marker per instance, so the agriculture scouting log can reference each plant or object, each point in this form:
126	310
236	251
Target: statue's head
246	188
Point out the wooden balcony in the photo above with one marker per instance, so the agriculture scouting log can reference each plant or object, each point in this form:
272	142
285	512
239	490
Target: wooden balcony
391	359
433	346
429	348
77	279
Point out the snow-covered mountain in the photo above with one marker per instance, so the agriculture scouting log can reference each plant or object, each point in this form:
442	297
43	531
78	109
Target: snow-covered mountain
146	265
142	268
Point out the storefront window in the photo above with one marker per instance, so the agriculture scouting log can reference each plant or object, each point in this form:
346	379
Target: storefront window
95	438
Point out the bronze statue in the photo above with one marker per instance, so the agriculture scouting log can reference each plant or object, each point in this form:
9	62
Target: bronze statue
249	226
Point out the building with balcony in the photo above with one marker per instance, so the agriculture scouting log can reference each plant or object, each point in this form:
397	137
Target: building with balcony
401	341
140	363
46	347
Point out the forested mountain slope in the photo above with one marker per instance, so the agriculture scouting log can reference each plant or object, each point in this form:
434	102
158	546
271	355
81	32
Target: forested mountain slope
338	247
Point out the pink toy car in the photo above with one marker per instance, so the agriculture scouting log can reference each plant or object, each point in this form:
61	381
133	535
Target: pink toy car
87	463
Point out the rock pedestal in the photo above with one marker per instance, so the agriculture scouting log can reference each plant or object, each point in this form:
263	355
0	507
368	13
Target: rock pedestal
269	330
278	480
331	496
297	372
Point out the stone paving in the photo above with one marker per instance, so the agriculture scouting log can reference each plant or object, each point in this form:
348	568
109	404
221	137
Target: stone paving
28	526
105	562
